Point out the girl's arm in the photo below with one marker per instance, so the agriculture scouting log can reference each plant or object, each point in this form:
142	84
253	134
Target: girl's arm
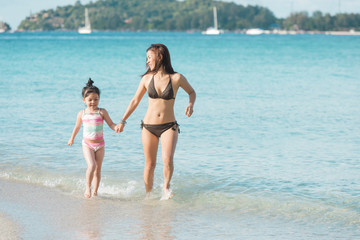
192	95
76	128
132	105
107	119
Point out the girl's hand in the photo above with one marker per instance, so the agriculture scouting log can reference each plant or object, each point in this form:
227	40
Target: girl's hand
70	142
189	110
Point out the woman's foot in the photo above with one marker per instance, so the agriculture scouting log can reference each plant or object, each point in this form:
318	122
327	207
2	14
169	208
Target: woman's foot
94	194
87	193
167	194
147	196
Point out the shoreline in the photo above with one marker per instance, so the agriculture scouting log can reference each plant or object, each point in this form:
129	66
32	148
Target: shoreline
30	211
240	31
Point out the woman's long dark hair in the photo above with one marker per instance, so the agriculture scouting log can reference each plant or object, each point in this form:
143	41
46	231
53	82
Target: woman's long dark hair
162	58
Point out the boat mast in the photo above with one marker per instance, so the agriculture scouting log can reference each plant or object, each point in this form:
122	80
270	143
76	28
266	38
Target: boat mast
215	18
87	21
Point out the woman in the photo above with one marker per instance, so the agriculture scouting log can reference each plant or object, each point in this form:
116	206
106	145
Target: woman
162	83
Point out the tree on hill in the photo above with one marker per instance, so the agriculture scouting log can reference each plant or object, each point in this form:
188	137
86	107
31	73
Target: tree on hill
320	22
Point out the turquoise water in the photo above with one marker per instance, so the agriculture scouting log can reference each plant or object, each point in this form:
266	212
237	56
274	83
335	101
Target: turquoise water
273	147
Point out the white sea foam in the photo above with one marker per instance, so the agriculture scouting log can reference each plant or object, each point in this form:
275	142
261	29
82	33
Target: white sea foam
125	190
269	204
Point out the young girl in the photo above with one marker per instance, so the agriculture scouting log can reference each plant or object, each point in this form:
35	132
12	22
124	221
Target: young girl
93	143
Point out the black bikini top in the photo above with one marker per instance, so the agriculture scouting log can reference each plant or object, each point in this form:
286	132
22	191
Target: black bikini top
167	94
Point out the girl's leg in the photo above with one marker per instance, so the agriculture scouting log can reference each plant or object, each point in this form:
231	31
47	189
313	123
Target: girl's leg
99	156
150	145
89	156
168	145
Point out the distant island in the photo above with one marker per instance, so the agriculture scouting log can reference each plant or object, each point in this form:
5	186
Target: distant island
4	27
173	15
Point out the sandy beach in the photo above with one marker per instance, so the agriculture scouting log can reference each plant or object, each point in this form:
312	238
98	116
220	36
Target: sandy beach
34	212
9	230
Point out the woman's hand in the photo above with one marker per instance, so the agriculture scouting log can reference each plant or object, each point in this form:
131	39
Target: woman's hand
189	110
70	142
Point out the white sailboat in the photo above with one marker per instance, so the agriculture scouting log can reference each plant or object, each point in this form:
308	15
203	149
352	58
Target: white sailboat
254	31
87	28
213	30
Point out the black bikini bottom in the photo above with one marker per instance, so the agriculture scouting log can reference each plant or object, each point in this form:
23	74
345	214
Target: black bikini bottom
158	129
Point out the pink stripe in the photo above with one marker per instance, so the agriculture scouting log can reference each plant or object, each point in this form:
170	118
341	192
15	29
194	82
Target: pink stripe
94	139
100	144
94	146
93	120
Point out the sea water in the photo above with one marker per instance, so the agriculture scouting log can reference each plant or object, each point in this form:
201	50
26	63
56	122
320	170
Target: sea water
271	152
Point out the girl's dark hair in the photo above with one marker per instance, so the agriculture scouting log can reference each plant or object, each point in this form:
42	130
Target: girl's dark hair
90	88
162	58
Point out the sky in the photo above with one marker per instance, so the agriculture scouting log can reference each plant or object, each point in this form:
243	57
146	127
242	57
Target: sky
14	11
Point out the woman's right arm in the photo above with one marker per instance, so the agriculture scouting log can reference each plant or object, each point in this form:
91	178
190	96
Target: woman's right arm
76	128
192	95
132	105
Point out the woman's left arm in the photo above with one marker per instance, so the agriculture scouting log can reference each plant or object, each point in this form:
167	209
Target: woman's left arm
107	119
184	84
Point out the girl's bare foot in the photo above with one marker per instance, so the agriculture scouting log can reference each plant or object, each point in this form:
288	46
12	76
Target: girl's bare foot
87	193
94	194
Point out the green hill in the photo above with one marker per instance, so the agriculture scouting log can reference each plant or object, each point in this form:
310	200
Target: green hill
173	15
161	15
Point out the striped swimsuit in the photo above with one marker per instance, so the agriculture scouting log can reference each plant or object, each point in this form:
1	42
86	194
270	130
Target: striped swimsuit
93	130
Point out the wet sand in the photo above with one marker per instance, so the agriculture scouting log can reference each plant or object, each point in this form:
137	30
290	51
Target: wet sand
8	228
35	212
29	211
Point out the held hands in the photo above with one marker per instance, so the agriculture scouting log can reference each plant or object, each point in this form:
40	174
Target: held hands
189	110
119	128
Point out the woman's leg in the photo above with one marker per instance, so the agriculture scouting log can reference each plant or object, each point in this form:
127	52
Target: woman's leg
150	145
168	145
89	156
99	156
